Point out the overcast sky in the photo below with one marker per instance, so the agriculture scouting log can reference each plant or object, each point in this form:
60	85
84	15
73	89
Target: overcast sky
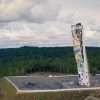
47	22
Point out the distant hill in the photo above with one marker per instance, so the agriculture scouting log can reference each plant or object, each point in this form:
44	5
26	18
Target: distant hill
26	60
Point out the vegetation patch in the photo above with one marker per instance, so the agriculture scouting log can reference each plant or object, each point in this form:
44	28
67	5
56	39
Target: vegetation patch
7	91
27	60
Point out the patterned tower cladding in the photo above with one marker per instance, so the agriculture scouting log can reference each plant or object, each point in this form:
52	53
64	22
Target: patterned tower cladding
80	55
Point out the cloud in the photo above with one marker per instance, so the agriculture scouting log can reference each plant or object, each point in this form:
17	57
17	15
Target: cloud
47	22
48	35
39	11
14	10
32	11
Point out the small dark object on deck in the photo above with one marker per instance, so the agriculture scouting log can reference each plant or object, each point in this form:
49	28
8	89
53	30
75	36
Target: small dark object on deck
30	83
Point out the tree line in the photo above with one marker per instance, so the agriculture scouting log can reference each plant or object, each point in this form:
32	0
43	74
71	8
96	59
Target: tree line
26	60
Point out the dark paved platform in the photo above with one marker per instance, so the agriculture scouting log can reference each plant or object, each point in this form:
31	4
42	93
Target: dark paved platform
49	83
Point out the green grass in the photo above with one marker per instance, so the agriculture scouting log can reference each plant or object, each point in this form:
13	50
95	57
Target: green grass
71	95
8	92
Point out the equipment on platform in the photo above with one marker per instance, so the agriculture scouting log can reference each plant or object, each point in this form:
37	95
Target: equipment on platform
80	55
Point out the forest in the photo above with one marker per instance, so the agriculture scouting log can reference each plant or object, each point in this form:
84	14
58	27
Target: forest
27	60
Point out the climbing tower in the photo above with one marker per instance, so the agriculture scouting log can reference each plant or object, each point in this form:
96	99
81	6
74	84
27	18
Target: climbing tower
80	55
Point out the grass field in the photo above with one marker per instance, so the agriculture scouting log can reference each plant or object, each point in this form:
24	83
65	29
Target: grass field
8	92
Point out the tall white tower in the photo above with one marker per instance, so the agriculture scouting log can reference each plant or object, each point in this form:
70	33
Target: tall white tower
80	55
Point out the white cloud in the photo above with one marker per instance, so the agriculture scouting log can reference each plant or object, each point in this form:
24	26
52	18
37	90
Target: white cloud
12	10
47	22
